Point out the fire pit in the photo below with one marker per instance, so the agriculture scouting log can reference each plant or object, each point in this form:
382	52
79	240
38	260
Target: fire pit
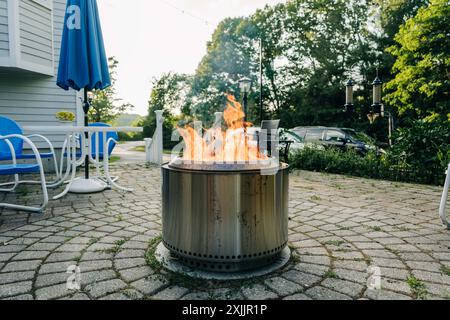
225	216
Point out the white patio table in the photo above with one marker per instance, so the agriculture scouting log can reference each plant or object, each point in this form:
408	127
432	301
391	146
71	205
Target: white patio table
74	134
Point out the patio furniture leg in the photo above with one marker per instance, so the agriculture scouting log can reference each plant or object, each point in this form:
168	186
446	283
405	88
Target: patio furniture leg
110	180
53	184
52	150
66	149
73	165
94	158
15	183
41	173
444	200
97	153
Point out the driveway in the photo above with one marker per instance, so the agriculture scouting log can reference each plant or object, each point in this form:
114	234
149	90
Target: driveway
127	153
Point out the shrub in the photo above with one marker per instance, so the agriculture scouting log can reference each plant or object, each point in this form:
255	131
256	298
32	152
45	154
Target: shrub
336	161
420	154
387	167
423	149
130	136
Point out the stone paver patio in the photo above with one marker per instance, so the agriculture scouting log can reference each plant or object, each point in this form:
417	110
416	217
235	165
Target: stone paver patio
339	227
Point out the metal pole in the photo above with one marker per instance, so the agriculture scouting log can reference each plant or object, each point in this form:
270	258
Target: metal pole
261	104
245	108
245	121
390	129
86	107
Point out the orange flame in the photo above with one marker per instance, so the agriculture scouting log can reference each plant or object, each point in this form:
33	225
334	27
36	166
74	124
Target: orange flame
217	145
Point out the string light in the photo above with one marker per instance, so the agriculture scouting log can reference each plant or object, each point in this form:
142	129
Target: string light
183	11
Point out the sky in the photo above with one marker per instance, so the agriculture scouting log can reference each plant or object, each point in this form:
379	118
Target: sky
151	37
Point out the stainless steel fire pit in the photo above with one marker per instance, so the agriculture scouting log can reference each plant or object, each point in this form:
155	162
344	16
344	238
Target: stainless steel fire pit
224	218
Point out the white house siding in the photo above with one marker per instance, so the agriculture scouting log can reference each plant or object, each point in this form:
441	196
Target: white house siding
4	38
33	99
35	33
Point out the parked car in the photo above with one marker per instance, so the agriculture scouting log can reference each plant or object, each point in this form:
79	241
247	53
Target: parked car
342	138
296	142
286	137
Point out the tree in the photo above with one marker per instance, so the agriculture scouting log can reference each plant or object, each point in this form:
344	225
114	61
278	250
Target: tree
389	16
169	93
226	61
309	48
105	106
421	85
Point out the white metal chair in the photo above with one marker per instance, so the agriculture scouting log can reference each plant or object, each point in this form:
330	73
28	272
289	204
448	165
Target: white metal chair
444	200
9	127
15	170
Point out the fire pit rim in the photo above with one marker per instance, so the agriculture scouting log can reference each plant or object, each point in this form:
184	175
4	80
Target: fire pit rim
224	168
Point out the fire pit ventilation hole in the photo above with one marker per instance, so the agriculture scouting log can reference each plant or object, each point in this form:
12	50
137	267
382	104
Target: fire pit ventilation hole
194	259
218	266
250	256
221	271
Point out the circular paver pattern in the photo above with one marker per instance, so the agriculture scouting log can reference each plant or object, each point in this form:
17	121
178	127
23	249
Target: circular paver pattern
349	235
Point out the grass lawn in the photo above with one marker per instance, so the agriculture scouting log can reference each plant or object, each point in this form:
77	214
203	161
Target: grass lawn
139	149
142	149
114	159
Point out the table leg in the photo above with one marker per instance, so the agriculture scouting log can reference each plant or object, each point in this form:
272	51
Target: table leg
73	161
97	153
65	149
110	181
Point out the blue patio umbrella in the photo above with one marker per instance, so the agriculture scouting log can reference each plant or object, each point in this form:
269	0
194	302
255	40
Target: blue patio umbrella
83	63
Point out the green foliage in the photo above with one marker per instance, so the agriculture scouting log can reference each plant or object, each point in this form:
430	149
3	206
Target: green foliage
336	161
150	254
445	270
422	148
105	106
169	93
420	154
418	288
422	82
114	159
330	274
129	120
310	49
126	120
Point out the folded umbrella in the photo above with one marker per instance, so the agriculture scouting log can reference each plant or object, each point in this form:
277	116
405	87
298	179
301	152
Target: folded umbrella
83	63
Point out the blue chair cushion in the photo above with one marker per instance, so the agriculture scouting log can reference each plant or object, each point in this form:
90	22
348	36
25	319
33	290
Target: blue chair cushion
8	127
7	156
78	154
9	169
32	156
109	135
93	155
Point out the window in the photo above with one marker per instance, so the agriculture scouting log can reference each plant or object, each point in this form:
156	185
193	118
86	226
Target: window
335	136
314	135
292	137
301	132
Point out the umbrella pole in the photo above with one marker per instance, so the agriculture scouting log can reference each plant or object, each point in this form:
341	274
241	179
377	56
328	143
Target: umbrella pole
86	106
86	186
